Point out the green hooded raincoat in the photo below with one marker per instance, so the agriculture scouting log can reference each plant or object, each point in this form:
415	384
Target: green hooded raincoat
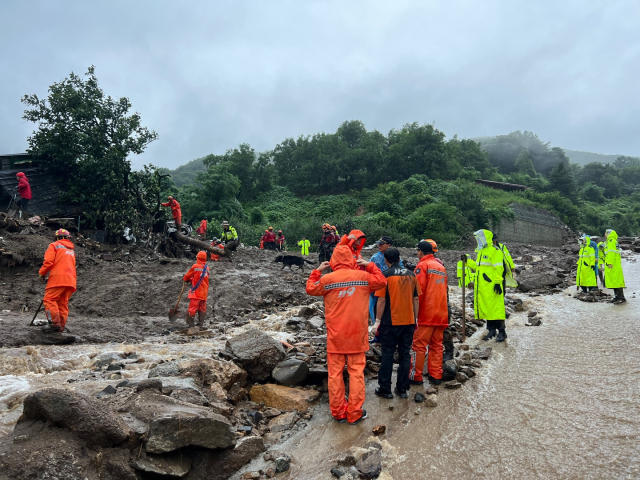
489	272
613	276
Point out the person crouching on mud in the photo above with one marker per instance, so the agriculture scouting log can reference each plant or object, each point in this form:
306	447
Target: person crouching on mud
346	298
60	264
198	275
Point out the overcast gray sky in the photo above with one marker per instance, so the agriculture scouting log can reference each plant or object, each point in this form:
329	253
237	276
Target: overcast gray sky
210	75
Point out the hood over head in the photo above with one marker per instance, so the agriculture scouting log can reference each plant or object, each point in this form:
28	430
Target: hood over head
202	256
20	174
342	258
585	239
611	234
357	244
484	238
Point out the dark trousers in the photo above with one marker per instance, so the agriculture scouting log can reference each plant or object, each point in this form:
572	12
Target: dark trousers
391	338
619	292
269	245
325	254
23	203
496	325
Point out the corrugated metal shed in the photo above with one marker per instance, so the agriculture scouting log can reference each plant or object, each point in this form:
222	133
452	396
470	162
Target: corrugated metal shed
45	191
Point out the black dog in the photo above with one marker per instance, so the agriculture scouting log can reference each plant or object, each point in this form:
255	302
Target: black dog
292	260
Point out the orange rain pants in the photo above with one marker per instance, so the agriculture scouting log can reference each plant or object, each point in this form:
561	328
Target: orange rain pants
340	407
431	336
56	304
197	305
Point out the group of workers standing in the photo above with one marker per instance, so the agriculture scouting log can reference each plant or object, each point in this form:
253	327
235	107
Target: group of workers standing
601	261
272	241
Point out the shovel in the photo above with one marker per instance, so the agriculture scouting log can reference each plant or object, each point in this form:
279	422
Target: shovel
37	311
173	313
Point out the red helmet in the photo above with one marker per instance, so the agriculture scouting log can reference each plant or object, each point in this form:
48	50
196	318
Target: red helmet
62	233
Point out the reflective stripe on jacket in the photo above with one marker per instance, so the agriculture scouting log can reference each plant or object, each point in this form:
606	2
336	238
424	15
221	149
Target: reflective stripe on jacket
586	274
229	234
304	244
60	264
346	299
194	274
468	275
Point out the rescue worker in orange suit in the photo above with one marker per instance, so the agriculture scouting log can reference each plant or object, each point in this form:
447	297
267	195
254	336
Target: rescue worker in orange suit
202	229
346	300
198	276
60	264
216	243
270	239
176	213
433	316
280	241
355	240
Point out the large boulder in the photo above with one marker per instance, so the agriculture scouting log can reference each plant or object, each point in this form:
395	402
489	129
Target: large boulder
290	372
176	430
210	371
257	352
284	398
221	464
167	369
535	281
89	418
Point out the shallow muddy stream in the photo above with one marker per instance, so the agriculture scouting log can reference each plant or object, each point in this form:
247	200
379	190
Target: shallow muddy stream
557	401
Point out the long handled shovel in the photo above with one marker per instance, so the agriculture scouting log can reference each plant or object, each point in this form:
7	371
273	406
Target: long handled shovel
173	313
37	311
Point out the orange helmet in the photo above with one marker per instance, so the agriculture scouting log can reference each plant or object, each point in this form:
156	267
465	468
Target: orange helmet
279	231
169	197
266	231
433	244
333	227
62	233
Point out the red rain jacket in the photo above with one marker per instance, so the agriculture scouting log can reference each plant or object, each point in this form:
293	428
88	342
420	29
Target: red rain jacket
194	274
280	240
269	237
202	229
24	189
60	264
346	301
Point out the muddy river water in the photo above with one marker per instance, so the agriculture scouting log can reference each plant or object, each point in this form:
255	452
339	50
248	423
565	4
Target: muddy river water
557	401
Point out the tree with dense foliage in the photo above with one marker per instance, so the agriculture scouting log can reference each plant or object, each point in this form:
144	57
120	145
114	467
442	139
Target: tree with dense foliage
86	138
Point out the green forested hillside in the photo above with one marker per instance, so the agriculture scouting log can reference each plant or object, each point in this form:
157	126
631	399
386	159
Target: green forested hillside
410	183
187	173
582	158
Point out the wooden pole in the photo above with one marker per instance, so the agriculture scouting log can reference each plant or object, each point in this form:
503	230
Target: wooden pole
464	297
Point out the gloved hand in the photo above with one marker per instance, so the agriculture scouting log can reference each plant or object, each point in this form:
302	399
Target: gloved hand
463	257
486	277
497	288
42	279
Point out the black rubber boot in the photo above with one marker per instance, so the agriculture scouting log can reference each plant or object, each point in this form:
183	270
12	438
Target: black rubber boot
190	320
201	316
502	335
490	335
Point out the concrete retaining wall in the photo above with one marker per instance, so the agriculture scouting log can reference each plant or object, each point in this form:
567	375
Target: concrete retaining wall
522	231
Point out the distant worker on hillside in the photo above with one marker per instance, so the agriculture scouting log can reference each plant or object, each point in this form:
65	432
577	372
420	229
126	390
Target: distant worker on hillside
432	316
613	275
176	213
60	264
270	239
202	229
488	293
280	241
327	243
346	300
24	191
304	245
198	276
229	235
586	276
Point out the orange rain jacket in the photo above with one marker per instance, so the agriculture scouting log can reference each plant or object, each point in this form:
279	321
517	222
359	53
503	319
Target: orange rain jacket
432	278
194	274
202	229
60	264
355	245
346	300
175	208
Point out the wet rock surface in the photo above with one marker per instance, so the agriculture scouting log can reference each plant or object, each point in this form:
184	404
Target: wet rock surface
257	352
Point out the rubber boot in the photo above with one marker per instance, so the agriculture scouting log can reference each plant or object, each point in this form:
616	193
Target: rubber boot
201	316
491	334
190	320
502	335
